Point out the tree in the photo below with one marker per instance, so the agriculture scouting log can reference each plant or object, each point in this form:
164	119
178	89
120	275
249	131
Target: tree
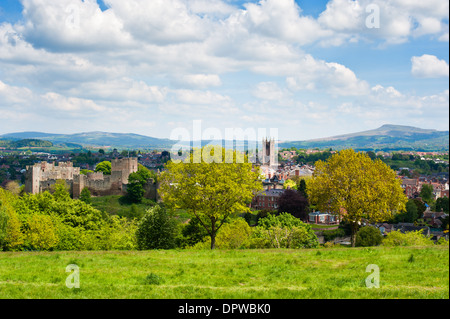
420	206
41	232
61	191
426	193
104	167
302	188
289	184
354	187
136	184
285	231
211	184
13	187
292	202
85	196
193	232
157	230
368	236
442	204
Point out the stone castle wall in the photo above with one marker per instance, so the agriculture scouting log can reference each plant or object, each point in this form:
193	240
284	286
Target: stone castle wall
43	176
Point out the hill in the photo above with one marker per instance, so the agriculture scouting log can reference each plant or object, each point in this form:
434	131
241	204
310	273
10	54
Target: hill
98	139
24	143
386	137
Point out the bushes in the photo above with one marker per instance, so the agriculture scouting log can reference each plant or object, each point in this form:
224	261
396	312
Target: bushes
232	235
283	231
156	230
41	233
368	236
329	235
413	238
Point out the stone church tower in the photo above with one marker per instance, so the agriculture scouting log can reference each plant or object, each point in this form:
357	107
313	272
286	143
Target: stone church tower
269	156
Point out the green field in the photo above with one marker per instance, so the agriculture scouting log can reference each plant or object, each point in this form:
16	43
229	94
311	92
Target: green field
405	272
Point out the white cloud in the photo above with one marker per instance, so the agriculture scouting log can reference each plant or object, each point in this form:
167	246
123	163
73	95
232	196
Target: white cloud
270	91
198	81
72	25
333	78
429	66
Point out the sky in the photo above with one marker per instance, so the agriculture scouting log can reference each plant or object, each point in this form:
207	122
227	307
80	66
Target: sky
308	69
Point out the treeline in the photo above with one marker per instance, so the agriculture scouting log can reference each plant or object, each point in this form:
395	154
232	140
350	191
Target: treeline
25	143
56	222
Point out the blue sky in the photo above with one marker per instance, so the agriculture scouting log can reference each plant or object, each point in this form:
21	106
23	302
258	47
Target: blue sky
310	69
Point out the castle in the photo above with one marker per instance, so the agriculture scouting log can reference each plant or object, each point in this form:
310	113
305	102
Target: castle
43	176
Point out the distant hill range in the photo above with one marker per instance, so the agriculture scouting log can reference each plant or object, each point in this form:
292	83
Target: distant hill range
95	139
387	138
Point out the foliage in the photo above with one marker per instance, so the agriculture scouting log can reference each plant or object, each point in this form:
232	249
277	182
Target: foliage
85	196
11	237
61	191
294	203
442	204
193	232
411	214
426	193
40	233
104	167
302	188
420	206
368	236
283	231
136	183
329	235
211	184
232	235
413	238
290	184
355	187
156	230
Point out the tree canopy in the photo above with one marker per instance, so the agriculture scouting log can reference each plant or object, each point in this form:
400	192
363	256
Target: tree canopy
354	187
104	167
211	189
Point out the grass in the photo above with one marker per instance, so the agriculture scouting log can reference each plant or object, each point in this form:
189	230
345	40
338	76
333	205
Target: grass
117	205
336	273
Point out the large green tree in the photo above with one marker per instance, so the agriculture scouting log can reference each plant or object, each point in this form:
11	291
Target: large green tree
354	187
211	184
426	193
104	167
136	183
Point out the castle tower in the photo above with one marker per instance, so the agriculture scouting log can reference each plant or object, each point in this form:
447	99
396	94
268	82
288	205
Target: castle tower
122	168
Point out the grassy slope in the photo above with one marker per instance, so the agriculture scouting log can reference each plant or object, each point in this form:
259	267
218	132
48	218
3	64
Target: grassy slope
266	274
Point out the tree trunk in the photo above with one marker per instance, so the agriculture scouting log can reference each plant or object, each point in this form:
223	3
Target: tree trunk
213	234
354	227
213	242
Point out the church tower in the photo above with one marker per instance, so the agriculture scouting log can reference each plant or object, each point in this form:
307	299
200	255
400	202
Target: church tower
268	152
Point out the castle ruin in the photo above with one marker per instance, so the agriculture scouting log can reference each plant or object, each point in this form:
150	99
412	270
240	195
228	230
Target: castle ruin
43	176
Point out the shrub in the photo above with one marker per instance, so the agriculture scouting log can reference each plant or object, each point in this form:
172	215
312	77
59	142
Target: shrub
85	196
41	233
157	230
368	236
330	235
284	231
413	238
442	241
232	235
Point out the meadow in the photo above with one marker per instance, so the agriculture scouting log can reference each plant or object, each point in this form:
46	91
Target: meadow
334	273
